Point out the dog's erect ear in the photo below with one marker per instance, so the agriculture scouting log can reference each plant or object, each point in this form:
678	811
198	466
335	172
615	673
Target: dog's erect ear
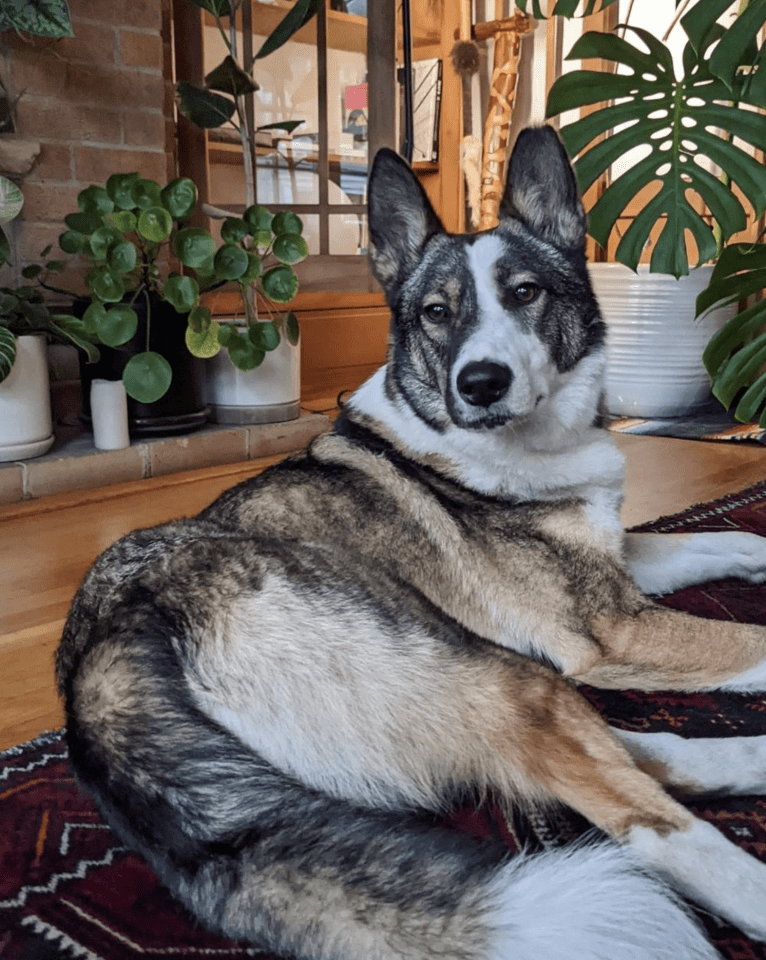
401	218
541	189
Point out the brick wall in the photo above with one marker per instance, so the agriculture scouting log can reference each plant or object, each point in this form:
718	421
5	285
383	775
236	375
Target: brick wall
98	103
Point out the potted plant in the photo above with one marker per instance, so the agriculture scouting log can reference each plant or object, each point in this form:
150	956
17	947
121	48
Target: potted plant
270	391
133	234
679	118
27	325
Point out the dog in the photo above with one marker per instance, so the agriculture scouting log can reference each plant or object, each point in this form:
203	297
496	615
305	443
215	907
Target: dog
272	701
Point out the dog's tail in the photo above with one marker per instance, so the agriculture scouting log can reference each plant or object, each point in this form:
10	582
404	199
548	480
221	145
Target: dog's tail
257	856
591	901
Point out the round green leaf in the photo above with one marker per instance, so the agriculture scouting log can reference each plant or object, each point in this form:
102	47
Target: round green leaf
264	334
244	354
180	198
231	262
11	202
32	271
203	343
93	318
123	220
227	332
234	230
95	200
200	319
181	292
84	222
280	284
286	222
122	257
146	194
147	377
71	241
258	218
102	239
292	329
155	224
290	248
120	189
194	247
117	325
104	285
254	268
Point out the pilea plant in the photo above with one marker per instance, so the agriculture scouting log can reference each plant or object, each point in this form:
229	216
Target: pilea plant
134	234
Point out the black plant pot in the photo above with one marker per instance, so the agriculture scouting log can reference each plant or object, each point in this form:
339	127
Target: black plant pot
182	409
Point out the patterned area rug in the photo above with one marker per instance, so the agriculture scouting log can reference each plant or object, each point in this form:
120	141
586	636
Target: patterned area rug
67	888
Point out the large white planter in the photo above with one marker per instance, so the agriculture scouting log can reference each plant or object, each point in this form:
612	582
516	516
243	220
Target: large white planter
26	426
654	343
271	393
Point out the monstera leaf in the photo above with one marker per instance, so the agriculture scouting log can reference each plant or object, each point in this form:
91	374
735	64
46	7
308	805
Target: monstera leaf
736	355
677	121
563	8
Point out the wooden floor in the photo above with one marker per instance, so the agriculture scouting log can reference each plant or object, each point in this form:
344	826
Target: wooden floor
47	545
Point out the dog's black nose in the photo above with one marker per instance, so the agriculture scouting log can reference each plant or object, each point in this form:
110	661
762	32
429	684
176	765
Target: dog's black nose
482	382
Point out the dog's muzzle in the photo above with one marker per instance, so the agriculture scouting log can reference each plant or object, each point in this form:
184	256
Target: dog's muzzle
483	382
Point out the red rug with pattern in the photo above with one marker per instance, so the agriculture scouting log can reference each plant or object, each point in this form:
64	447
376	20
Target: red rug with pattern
67	888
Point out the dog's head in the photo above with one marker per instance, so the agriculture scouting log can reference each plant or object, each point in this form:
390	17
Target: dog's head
488	327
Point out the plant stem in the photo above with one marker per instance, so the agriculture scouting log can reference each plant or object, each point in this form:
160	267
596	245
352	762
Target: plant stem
148	319
679	13
725	178
244	133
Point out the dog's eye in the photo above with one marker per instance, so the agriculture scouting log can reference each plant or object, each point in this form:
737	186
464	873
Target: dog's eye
436	312
526	292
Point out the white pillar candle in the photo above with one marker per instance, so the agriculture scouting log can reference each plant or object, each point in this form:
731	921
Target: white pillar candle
109	412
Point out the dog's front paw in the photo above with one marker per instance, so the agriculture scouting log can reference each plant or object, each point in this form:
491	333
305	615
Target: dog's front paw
748	556
661	563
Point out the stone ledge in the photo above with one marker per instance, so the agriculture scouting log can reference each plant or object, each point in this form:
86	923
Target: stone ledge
75	464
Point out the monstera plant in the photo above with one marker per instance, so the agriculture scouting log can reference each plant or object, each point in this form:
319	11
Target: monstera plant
699	129
682	123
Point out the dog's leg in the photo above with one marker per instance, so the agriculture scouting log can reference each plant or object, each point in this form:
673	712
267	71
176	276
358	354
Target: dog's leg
661	563
662	649
579	762
712	765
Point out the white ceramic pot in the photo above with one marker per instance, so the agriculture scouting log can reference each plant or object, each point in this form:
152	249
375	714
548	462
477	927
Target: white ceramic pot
26	426
654	343
271	393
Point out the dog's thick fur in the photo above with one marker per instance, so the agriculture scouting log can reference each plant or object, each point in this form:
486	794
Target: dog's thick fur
271	701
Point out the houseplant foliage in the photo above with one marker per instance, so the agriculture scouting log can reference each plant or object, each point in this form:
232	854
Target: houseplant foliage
23	310
44	18
676	120
736	355
221	102
132	231
222	99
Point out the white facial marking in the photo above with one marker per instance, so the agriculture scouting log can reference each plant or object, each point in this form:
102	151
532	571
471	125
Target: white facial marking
502	340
